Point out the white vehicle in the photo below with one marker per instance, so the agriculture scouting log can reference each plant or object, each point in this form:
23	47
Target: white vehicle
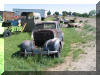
37	17
1	28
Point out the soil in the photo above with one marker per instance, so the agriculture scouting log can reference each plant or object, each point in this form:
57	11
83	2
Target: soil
86	61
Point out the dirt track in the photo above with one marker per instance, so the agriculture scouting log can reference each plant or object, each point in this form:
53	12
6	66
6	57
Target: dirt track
87	61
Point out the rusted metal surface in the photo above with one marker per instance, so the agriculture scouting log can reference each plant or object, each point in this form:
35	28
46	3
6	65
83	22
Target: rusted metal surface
42	35
7	15
48	37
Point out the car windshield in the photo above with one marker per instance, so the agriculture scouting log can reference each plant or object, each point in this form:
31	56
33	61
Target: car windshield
45	26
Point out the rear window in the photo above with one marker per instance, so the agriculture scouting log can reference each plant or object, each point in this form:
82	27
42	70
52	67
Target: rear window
45	26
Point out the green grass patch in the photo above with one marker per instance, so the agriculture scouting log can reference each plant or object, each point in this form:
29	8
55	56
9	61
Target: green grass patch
89	28
88	32
1	55
89	37
31	63
70	36
50	19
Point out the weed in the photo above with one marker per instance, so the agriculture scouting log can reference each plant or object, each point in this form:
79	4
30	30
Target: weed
76	53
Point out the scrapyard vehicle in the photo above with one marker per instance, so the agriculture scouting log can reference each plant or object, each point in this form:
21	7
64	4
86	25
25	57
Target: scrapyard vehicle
6	28
24	24
74	23
48	39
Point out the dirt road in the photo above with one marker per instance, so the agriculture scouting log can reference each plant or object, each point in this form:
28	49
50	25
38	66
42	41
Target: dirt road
87	61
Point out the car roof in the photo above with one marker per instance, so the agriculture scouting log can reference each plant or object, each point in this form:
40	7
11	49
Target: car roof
56	22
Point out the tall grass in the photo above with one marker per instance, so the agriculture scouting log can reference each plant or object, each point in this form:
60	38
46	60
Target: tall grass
76	53
1	55
89	28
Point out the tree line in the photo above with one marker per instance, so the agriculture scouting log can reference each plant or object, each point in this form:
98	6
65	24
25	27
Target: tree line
65	13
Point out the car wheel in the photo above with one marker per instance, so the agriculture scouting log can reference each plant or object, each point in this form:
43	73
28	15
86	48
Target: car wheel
57	54
6	33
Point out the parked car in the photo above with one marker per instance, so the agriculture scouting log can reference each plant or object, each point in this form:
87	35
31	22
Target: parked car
74	23
47	36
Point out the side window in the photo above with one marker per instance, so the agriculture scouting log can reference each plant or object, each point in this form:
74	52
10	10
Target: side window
36	18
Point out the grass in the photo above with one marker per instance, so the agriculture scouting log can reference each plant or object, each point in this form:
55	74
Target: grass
89	28
87	37
1	55
76	53
88	32
36	63
50	19
17	63
71	36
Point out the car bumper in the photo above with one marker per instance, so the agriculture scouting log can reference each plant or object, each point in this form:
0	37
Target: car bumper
40	52
48	52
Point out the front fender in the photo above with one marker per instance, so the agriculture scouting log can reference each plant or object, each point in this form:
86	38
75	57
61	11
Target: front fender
52	45
27	45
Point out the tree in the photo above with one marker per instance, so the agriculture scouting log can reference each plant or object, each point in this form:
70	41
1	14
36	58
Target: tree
80	15
49	12
56	13
92	13
64	14
85	15
69	13
76	14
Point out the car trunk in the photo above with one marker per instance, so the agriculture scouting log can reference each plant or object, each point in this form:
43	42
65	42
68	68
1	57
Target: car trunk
41	36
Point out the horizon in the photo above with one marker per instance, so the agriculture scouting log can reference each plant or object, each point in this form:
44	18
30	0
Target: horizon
79	8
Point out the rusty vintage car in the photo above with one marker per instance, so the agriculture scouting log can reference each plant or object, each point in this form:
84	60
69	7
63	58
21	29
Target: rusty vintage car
47	39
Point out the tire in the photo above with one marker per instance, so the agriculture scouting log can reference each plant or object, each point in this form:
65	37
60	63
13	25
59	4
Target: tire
62	37
6	33
57	55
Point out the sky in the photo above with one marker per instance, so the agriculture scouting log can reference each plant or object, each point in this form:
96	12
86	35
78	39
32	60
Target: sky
3	2
80	8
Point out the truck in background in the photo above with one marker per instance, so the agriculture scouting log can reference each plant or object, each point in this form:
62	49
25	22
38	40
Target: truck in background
25	23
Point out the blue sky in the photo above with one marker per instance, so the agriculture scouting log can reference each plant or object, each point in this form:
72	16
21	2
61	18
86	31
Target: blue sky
81	8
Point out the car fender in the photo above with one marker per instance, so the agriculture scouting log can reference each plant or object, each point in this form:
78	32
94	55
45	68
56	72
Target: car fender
27	45
52	44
